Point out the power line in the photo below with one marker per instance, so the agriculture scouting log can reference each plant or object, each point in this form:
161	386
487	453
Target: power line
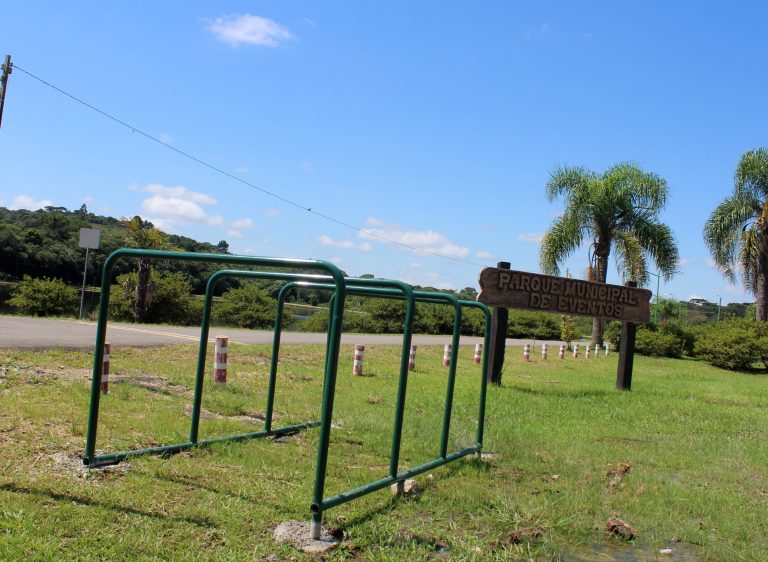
238	179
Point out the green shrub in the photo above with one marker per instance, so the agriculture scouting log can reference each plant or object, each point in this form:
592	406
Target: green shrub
733	344
170	302
664	340
658	342
43	297
525	324
248	307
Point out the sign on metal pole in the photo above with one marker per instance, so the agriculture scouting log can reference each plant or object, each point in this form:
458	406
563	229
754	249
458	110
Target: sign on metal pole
89	239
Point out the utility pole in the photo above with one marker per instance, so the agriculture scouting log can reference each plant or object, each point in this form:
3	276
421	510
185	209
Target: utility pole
7	68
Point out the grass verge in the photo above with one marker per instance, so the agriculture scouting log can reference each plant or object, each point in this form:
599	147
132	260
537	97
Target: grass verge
682	459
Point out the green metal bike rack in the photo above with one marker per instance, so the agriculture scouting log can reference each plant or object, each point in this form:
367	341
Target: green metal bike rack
90	458
341	286
319	505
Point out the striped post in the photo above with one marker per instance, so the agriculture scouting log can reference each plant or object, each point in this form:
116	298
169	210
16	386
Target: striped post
575	351
220	360
607	347
412	358
527	352
105	368
478	353
447	355
544	351
561	355
597	351
586	351
357	364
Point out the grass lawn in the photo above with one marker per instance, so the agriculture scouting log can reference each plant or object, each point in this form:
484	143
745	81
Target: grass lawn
683	459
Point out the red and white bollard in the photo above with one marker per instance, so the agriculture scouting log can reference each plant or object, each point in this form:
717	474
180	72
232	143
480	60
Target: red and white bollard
575	351
561	355
544	351
597	351
105	368
220	360
412	358
478	353
527	352
447	355
607	347
586	351
357	364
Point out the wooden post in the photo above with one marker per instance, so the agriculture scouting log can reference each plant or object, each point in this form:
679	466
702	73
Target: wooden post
626	352
498	338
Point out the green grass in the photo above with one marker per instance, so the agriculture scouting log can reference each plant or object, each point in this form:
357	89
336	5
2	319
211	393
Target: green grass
696	438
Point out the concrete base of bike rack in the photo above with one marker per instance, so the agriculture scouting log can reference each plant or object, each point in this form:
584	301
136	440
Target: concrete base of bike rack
297	533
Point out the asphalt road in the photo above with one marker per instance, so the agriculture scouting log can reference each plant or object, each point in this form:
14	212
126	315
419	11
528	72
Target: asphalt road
17	332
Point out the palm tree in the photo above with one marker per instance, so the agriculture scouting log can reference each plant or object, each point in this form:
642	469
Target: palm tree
737	230
616	209
142	234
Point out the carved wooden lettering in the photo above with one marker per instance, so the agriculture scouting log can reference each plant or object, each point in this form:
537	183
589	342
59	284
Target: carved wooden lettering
545	293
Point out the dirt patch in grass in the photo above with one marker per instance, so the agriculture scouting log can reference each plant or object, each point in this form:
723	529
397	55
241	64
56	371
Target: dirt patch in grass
524	534
616	527
32	374
72	465
152	383
256	418
615	474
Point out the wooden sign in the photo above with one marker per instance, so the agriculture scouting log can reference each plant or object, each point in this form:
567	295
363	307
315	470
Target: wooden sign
546	293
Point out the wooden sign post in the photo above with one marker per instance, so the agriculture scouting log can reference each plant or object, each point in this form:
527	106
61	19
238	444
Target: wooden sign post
561	295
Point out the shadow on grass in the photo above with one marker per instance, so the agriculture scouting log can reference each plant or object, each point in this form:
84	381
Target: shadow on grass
565	393
441	473
11	487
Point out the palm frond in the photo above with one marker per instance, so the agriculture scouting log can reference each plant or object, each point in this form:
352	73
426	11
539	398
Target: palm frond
568	181
564	236
752	173
658	241
723	229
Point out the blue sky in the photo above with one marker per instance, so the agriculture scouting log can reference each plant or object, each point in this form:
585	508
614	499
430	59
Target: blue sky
435	124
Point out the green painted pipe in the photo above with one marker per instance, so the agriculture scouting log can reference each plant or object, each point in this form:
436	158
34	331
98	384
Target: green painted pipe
101	325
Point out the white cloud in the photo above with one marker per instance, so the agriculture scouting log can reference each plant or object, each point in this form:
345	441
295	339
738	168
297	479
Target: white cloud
234	233
694	296
415	264
235	30
687	261
165	138
307	166
272	213
344	244
427	241
531	237
336	260
483	255
27	202
426	279
242	223
710	262
171	206
88	199
241	170
179	191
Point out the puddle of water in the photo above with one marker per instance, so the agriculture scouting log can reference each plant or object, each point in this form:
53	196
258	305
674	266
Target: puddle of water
630	553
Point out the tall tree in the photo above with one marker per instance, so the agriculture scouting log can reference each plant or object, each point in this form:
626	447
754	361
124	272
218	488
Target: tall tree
737	230
143	234
617	209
